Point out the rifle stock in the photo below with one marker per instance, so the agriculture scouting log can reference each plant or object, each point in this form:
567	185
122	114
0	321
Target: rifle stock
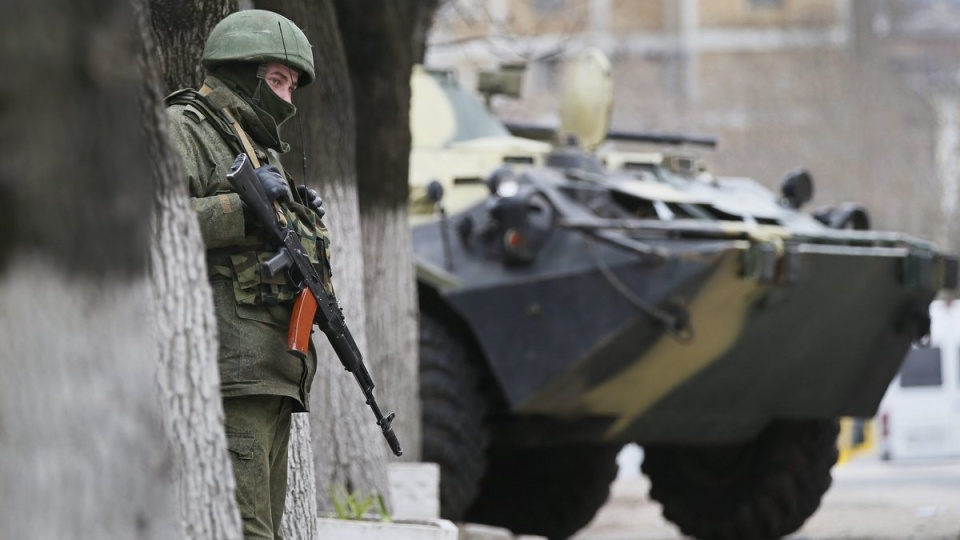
313	304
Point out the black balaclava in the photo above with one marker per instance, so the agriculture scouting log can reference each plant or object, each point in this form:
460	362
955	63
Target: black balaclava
271	110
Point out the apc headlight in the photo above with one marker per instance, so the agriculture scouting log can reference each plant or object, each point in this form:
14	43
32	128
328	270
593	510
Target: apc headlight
508	188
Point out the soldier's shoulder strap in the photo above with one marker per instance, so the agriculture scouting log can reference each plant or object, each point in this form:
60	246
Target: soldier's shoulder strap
203	104
195	104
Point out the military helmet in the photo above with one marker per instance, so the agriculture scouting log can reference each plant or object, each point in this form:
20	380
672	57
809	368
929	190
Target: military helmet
256	35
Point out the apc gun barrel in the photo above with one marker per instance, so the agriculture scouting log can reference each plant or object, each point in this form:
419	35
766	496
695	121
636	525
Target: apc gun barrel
662	138
533	131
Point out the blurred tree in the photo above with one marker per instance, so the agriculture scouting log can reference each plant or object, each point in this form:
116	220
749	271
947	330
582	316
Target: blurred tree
82	451
503	28
180	29
383	41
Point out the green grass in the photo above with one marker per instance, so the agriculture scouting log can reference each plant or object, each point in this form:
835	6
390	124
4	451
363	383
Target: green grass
347	505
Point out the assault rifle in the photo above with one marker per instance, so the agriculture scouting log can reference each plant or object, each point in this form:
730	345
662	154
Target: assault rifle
313	305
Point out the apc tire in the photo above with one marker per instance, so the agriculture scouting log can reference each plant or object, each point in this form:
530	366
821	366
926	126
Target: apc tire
761	490
454	434
546	491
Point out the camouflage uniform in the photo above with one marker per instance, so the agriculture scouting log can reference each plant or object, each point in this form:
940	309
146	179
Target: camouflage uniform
261	383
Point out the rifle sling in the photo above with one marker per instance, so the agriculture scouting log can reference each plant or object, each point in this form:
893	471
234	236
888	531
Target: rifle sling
205	90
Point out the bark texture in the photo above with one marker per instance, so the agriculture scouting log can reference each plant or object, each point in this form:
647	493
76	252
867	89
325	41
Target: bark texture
82	450
348	447
186	329
382	43
300	514
181	27
390	287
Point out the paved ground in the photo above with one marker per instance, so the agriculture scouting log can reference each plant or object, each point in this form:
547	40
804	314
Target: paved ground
870	500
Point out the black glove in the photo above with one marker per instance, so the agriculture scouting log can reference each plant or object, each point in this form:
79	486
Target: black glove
274	184
313	200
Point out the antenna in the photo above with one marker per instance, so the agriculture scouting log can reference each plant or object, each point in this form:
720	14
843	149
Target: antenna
303	147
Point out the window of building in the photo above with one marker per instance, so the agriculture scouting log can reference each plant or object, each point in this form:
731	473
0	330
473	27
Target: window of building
549	6
545	74
766	3
922	367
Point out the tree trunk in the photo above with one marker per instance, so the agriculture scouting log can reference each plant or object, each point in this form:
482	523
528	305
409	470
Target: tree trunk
180	29
186	327
82	451
382	42
348	448
300	513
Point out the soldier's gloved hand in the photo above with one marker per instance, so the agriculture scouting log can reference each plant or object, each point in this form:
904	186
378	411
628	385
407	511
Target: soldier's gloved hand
313	200
274	184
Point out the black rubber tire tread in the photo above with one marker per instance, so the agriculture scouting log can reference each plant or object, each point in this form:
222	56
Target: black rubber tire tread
778	483
454	434
546	491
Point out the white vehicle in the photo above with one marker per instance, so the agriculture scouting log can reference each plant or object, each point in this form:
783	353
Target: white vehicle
919	416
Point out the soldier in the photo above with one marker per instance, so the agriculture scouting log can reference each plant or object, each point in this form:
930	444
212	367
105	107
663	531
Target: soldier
255	60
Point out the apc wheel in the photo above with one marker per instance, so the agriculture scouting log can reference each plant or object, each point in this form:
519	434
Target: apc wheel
552	491
454	434
761	490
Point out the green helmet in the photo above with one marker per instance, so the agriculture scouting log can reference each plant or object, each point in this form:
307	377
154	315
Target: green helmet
259	36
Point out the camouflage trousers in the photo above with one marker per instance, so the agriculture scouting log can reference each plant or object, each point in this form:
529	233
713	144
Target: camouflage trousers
258	434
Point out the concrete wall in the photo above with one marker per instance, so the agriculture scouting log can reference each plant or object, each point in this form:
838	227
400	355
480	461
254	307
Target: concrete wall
752	13
638	15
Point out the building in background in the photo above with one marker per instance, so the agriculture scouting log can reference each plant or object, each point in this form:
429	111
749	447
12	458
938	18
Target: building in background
863	93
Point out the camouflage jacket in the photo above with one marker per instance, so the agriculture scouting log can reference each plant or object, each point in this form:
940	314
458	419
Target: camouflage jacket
252	312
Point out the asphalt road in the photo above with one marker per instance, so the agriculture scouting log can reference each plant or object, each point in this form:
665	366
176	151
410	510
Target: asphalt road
870	500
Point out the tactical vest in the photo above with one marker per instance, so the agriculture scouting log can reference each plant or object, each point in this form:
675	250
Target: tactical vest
243	263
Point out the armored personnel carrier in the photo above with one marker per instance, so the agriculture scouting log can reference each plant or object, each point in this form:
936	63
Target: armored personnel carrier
574	301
